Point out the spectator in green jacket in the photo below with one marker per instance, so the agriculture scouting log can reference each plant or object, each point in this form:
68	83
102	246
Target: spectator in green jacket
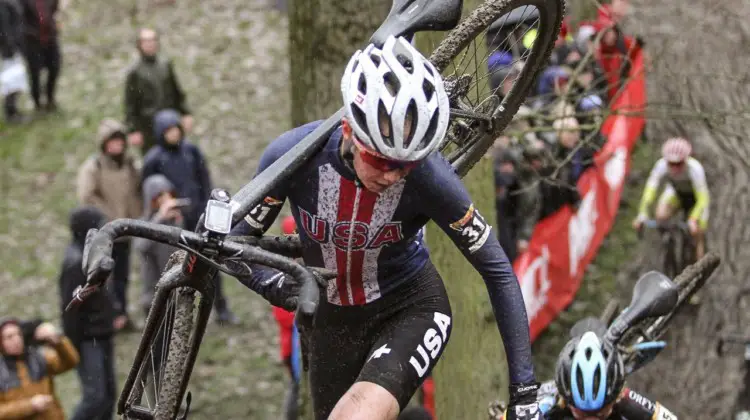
151	86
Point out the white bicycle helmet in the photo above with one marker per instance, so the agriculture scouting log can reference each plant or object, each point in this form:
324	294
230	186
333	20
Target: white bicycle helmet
384	87
676	150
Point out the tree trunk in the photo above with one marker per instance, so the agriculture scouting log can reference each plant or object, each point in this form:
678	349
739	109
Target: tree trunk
472	371
323	36
699	68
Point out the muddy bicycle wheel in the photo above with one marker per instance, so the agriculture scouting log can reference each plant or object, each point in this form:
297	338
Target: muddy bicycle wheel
478	114
153	388
692	279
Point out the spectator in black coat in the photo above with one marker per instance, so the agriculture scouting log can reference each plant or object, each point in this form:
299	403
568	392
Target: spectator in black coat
41	48
91	325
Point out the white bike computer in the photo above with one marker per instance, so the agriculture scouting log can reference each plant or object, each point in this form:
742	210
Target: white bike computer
218	217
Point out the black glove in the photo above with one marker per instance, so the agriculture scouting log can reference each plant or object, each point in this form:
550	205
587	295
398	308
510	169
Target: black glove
282	290
523	403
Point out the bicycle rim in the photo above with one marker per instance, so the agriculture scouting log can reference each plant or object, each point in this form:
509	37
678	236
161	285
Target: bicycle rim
463	58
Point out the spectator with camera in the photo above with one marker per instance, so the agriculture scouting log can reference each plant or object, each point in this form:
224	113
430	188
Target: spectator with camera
27	389
90	325
159	206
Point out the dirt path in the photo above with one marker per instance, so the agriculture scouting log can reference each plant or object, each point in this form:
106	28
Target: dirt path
703	71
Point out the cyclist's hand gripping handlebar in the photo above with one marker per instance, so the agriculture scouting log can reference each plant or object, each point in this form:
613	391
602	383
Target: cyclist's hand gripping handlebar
97	264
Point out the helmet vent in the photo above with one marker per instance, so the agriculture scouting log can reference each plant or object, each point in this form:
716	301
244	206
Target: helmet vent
391	83
428	89
362	84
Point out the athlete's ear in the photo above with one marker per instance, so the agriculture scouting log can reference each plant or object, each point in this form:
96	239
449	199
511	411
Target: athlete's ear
346	129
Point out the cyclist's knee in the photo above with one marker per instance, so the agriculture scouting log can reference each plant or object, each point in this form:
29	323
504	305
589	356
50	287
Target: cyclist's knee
366	400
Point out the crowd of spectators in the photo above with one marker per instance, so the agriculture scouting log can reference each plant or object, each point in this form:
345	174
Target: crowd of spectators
555	135
147	168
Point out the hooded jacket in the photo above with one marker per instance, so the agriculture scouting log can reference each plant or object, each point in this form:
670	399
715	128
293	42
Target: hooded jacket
110	185
182	164
22	377
94	317
154	255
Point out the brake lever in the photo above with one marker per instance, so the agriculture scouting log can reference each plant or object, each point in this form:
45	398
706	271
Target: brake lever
96	265
80	294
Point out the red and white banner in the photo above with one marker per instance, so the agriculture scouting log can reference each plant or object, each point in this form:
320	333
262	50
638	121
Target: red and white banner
563	244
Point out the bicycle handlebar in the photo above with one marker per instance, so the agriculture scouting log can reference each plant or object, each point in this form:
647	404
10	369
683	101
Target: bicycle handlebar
666	225
274	252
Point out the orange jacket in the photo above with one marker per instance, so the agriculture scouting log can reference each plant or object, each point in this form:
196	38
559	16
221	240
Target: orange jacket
16	393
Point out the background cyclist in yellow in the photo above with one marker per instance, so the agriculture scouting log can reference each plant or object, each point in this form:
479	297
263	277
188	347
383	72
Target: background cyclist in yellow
686	188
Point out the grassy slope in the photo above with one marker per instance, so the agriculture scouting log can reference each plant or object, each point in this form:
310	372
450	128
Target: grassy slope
231	59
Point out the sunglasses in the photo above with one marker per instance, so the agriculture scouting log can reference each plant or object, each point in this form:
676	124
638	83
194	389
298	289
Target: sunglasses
382	163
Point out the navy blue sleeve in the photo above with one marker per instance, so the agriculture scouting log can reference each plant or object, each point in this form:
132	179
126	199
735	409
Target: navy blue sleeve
448	203
204	176
260	219
150	164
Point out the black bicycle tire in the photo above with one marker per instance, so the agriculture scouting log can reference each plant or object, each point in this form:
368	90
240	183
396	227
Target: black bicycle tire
692	279
551	13
670	258
168	403
687	256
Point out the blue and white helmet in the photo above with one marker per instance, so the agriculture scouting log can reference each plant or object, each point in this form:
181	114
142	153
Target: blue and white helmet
590	373
383	88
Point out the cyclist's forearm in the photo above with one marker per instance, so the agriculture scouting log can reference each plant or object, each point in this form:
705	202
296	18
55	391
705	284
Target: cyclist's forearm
702	202
649	194
509	309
